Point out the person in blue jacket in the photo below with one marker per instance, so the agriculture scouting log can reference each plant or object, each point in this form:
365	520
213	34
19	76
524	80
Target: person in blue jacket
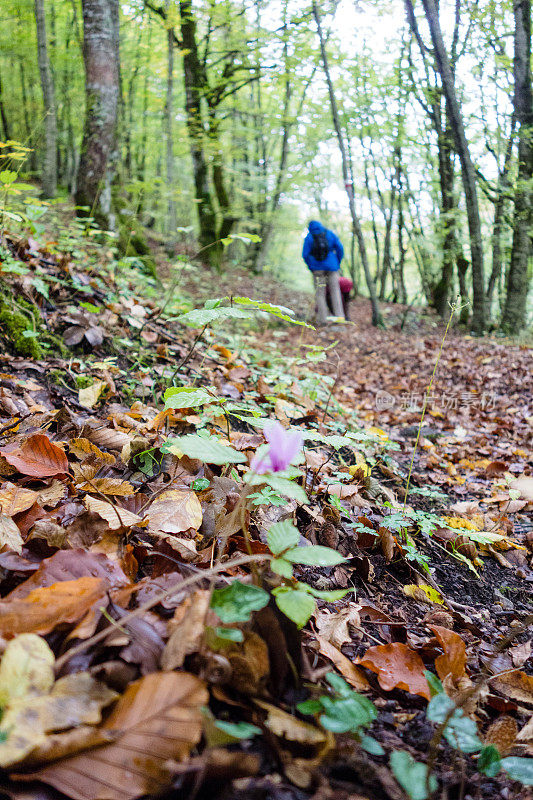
323	253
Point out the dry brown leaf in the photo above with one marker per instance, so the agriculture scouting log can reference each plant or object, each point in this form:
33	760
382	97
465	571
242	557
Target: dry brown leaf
453	660
157	719
397	665
51	495
108	437
288	727
335	628
83	448
10	537
175	511
43	609
37	456
186	629
516	685
114	487
250	665
114	515
14	499
348	670
526	733
502	734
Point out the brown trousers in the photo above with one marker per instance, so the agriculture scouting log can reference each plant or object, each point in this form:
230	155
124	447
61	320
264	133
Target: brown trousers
323	278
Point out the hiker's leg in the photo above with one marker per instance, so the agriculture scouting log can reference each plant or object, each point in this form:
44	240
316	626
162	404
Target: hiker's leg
335	294
319	278
346	304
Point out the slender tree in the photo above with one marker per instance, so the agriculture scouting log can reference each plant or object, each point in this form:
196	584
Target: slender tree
467	168
169	115
49	176
102	90
346	173
514	312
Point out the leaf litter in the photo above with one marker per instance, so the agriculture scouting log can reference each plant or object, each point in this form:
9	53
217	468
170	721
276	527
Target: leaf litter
130	519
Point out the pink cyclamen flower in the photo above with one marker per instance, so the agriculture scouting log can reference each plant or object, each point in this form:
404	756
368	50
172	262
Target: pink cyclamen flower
283	447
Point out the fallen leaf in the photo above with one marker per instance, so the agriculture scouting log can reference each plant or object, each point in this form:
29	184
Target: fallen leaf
524	485
502	734
288	727
108	486
175	511
397	665
89	396
83	448
186	629
10	537
335	628
14	499
26	668
157	719
37	456
348	670
115	516
453	660
423	593
517	685
44	609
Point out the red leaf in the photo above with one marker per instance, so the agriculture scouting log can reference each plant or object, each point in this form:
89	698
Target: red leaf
37	456
397	665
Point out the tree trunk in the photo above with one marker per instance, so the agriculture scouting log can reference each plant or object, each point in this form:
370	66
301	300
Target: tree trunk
49	178
195	85
376	316
514	312
499	219
441	293
102	90
467	168
169	115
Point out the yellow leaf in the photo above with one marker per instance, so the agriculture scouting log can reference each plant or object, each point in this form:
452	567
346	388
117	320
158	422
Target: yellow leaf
27	668
89	396
423	593
380	433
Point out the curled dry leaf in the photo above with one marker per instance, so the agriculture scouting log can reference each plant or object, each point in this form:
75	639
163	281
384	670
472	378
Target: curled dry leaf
186	629
397	666
288	727
83	448
157	719
10	537
335	628
44	609
115	516
37	456
502	734
516	684
453	660
348	670
114	487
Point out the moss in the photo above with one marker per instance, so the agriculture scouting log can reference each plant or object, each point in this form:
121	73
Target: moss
55	344
13	325
83	381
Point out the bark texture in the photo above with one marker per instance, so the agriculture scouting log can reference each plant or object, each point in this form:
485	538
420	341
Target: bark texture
102	91
49	178
514	313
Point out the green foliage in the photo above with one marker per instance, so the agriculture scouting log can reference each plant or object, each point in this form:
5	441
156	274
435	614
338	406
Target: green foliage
297	604
238	730
282	536
411	775
519	769
345	711
235	603
208	449
267	497
188	397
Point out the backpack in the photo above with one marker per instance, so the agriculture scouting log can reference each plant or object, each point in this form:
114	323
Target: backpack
320	247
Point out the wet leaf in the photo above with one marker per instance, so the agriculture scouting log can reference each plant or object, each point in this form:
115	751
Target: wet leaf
397	666
453	660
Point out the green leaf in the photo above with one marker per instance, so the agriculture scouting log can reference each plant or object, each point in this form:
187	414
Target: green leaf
519	769
8	176
282	486
200	484
411	775
281	536
315	555
295	604
329	595
212	451
281	567
347	713
339	685
181	397
489	761
199	317
370	745
235	603
435	685
230	634
460	731
239	730
309	707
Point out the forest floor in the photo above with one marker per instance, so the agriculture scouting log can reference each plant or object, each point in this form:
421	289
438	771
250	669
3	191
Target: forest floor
103	519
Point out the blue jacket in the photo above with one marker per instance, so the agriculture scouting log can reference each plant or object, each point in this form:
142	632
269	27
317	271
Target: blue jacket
336	251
